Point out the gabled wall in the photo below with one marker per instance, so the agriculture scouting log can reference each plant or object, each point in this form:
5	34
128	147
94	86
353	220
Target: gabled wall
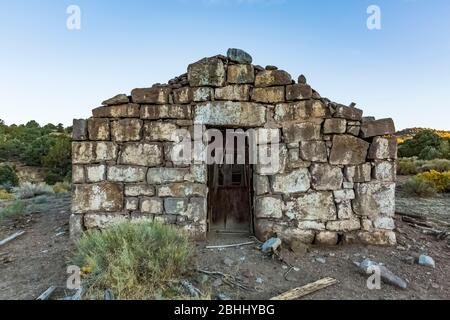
337	174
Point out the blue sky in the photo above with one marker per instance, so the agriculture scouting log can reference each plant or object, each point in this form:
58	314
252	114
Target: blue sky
51	74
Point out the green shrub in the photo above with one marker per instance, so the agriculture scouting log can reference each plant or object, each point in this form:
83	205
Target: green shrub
419	186
8	176
15	209
29	190
407	167
440	165
135	260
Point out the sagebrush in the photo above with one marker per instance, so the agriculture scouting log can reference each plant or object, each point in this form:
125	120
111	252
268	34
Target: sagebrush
136	260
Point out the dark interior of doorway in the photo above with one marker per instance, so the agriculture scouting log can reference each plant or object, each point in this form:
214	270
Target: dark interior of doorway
230	197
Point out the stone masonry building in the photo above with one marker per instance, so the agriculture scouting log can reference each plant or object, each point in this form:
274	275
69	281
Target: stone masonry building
335	182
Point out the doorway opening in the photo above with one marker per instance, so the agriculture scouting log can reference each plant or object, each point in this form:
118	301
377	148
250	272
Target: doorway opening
230	198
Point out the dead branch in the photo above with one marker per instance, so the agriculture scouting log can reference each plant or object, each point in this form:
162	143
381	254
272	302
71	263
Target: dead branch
47	293
10	238
300	292
231	245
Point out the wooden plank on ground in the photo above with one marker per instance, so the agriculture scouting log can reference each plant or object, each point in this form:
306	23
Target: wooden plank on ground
300	292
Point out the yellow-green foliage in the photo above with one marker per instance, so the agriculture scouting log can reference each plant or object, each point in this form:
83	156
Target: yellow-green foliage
439	180
5	195
135	260
61	187
407	166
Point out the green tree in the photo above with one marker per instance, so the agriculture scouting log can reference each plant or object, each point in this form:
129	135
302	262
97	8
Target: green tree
58	159
416	146
8	176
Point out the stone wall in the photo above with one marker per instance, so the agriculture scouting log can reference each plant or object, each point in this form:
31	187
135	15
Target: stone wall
336	181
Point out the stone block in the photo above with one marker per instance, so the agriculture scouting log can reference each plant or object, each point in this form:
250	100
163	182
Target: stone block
344	210
335	126
104	197
383	148
99	129
375	199
327	238
386	223
183	190
129	110
294	160
116	100
344	195
314	206
267	136
233	93
79	131
76	227
90	152
348	150
269	207
261	185
325	177
241	74
271	78
126	130
385	171
160	131
239	56
315	151
358	174
95	173
141	154
348	113
227	113
377	128
154	95
78	175
166	111
293	182
103	220
268	95
207	72
183	95
166	175
344	225
151	205
305	131
138	190
175	205
132	204
302	110
297	92
202	94
126	174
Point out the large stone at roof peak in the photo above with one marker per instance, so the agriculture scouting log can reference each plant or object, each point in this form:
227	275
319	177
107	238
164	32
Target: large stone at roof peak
239	56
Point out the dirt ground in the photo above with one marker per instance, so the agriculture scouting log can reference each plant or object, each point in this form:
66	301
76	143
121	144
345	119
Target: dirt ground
37	260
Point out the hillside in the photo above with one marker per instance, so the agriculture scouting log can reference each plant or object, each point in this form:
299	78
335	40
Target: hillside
411	132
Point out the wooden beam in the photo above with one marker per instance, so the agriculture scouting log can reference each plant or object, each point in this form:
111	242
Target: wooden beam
300	292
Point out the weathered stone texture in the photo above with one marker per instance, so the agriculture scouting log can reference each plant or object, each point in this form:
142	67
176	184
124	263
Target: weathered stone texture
269	207
90	152
126	130
377	128
99	129
268	95
80	130
271	78
165	111
294	182
326	177
383	148
241	74
118	99
233	93
335	126
126	174
375	199
302	110
314	206
244	114
298	92
130	110
141	154
348	150
348	113
154	95
207	72
305	131
104	197
315	151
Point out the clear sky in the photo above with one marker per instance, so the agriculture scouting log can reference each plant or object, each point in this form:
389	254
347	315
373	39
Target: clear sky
51	74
